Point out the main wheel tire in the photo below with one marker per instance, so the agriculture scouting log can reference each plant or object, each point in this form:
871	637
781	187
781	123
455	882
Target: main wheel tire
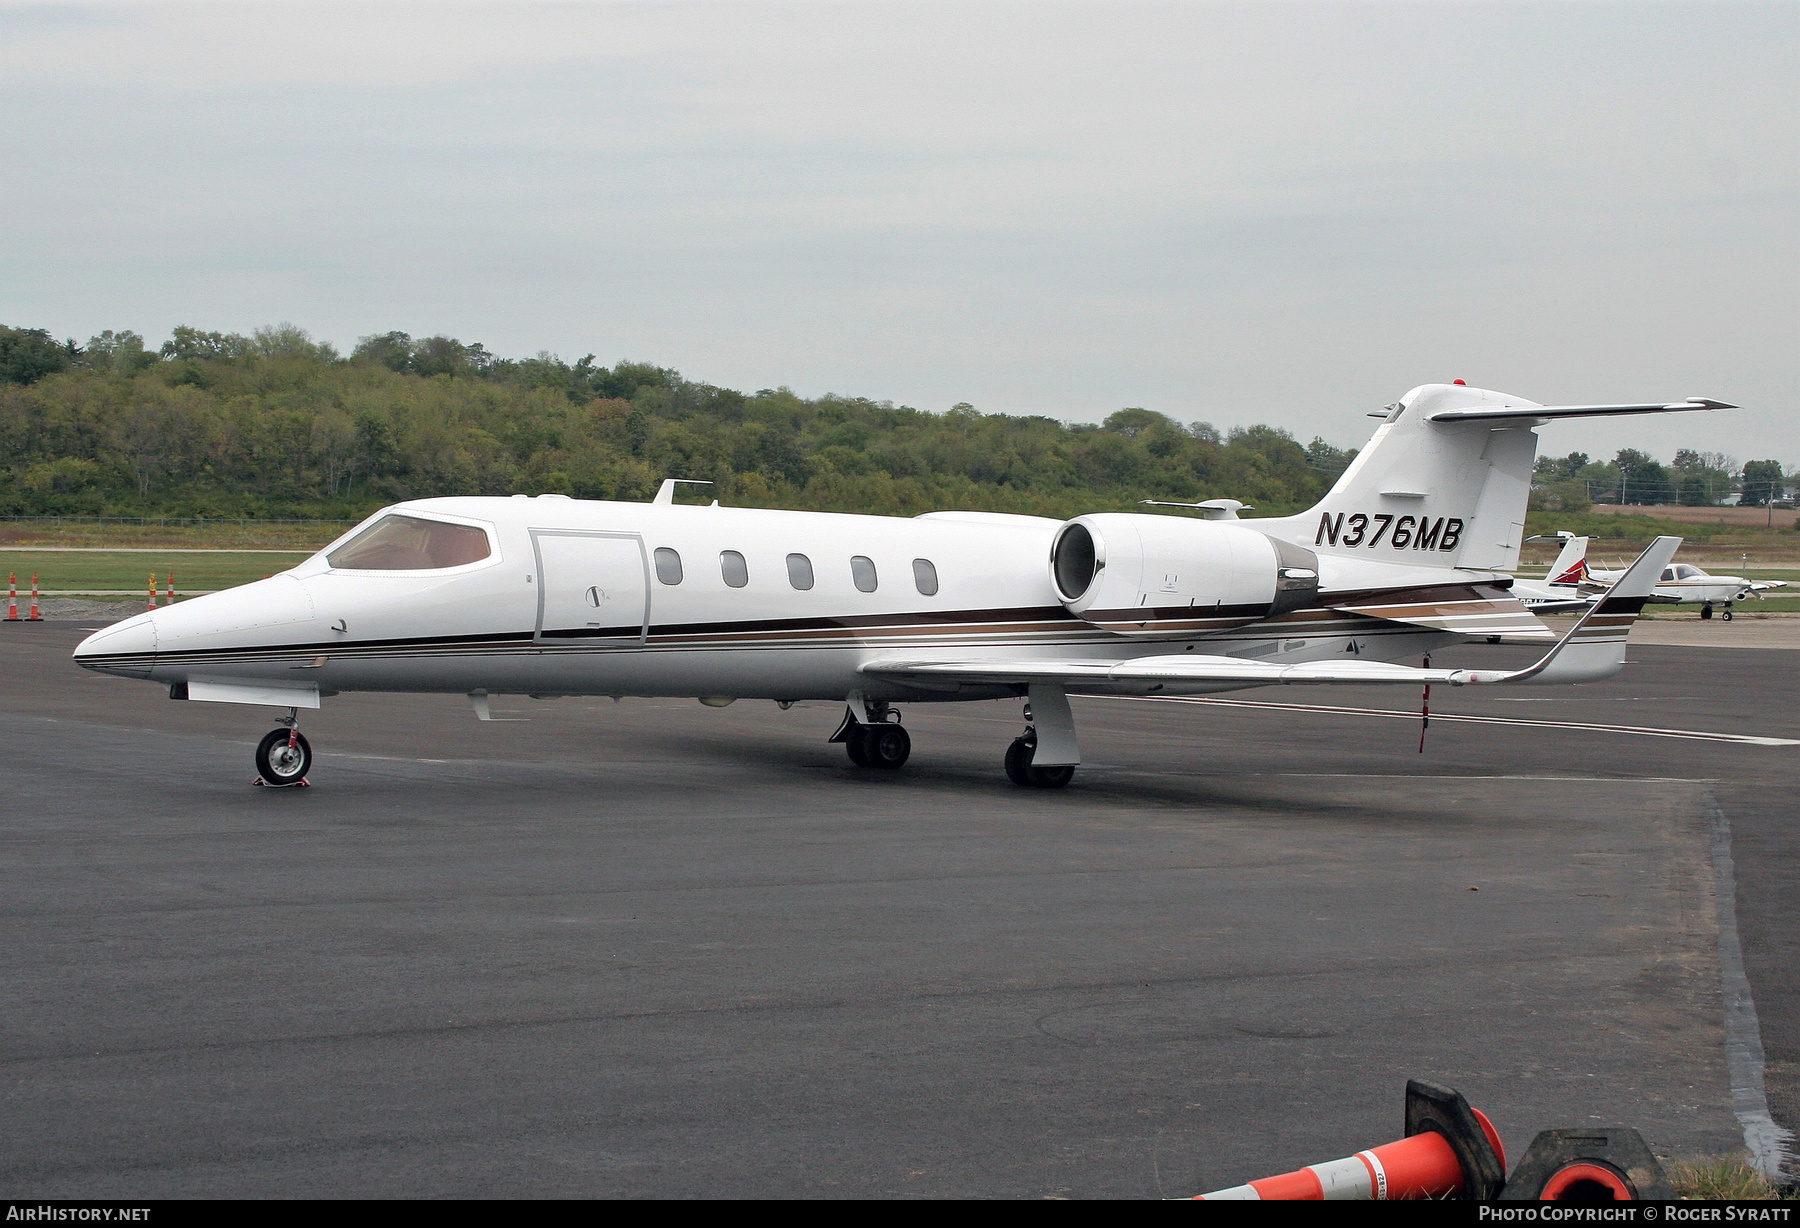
281	764
1018	763
1727	613
1052	777
1705	611
856	745
887	746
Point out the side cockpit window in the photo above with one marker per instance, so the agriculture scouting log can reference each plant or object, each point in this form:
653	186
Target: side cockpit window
411	543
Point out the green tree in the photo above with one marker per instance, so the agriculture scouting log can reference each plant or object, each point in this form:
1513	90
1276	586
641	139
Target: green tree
1642	479
122	352
194	345
1761	483
391	350
29	354
276	424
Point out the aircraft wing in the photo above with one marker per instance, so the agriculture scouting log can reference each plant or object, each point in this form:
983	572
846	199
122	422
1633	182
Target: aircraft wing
1592	649
1160	673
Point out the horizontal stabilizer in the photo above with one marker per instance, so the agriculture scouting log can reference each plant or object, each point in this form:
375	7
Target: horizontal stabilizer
1574	605
1479	413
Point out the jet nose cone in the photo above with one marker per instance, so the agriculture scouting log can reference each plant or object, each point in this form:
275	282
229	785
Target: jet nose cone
127	647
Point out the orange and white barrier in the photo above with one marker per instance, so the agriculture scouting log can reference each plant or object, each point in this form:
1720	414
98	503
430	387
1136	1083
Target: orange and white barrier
1451	1151
171	593
12	597
35	616
153	590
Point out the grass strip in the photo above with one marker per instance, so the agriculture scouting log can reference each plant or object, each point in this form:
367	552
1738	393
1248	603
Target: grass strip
131	572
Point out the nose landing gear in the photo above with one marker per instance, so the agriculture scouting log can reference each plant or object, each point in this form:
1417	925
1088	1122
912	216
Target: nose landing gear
284	756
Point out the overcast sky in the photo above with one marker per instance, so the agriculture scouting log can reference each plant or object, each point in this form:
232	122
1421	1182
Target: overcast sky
1275	212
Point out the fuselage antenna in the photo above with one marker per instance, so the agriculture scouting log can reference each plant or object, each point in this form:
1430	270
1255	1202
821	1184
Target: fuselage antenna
666	492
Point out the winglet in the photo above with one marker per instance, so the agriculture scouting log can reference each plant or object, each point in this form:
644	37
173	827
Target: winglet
1594	648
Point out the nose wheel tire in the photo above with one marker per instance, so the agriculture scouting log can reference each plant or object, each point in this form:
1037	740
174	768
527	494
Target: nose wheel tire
1021	771
1706	611
878	746
1727	614
283	757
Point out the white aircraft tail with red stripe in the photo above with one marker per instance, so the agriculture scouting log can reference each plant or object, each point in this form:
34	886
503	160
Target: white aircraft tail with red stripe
1570	569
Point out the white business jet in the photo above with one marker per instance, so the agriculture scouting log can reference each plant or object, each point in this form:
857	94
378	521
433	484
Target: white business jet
1560	591
1686	584
549	596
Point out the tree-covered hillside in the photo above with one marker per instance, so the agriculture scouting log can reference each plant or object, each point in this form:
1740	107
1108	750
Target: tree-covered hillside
276	425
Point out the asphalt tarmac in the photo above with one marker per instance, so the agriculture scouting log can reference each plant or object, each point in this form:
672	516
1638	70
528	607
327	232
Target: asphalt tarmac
658	949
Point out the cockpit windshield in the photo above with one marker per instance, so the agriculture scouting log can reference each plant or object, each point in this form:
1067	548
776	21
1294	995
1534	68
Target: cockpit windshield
409	543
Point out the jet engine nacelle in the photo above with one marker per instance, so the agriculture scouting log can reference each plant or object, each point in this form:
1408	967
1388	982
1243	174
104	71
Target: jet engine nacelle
1157	575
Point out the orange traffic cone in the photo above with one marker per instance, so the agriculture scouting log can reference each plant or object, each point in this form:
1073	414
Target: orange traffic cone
171	600
35	616
153	590
1450	1151
12	598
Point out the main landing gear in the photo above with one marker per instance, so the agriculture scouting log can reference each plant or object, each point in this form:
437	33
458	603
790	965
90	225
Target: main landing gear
879	743
1706	611
1043	757
284	755
1049	735
1021	771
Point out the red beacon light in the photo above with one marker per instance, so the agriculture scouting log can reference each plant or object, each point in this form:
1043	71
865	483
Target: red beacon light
1457	381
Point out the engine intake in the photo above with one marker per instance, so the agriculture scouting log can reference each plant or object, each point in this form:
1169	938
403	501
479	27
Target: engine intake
1168	575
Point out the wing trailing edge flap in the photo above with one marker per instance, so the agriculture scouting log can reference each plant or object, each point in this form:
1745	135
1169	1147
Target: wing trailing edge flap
1594	648
1475	610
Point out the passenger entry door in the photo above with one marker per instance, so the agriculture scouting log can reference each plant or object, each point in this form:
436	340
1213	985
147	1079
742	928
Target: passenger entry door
592	587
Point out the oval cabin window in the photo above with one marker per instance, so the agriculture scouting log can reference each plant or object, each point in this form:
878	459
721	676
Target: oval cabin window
732	567
800	571
668	565
411	543
862	571
925	577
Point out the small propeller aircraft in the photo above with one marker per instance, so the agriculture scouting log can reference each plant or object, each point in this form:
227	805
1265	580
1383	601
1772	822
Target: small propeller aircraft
550	596
1686	584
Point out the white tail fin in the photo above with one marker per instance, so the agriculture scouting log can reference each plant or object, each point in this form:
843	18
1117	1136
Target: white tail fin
1570	568
1443	483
